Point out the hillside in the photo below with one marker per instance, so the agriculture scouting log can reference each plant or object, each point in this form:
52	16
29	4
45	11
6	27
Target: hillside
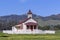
6	22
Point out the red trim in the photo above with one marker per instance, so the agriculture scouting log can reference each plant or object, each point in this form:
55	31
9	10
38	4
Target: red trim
24	20
31	23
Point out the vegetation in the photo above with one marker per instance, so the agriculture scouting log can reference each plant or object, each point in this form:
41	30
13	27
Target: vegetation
6	22
30	36
56	27
44	28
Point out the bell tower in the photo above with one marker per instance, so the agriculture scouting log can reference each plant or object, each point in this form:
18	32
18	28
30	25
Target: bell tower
29	14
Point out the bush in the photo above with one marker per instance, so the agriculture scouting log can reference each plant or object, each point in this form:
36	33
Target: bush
57	27
44	28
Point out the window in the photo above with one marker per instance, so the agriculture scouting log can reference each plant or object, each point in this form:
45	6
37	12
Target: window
27	26
34	26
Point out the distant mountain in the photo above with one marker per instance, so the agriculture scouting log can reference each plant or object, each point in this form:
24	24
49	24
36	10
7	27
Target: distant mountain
50	20
17	17
53	17
42	21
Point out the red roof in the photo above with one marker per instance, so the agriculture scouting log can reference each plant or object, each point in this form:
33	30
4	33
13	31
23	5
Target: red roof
31	23
24	20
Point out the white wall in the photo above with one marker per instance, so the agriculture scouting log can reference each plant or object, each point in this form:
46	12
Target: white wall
29	15
14	29
29	32
31	20
24	26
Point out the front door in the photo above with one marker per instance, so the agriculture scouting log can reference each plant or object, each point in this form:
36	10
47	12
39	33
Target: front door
31	27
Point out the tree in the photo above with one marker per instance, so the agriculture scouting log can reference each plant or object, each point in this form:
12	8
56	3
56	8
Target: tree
44	28
57	27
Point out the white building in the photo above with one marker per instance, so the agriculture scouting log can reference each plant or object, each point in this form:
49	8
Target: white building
27	26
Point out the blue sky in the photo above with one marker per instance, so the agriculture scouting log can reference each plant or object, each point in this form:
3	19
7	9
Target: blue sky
39	7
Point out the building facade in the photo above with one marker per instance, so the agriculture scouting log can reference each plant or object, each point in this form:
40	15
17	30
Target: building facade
27	26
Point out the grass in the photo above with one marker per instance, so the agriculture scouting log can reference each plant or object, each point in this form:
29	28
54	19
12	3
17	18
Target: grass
30	37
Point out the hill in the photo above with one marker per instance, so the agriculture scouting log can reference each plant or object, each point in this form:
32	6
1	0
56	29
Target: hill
6	22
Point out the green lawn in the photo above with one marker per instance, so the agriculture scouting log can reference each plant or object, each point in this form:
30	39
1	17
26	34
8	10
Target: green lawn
31	36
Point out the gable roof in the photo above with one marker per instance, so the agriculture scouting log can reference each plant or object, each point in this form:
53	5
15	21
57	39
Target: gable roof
24	20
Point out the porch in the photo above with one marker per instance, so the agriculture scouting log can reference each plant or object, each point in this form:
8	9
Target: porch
32	26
